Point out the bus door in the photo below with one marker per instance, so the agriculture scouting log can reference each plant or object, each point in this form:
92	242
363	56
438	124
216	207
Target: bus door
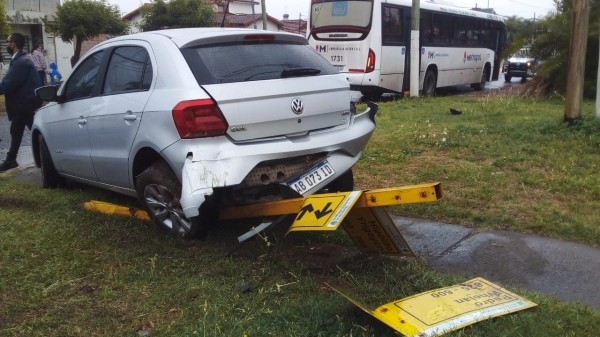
394	51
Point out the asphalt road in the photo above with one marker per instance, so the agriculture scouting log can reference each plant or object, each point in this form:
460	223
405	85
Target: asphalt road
5	136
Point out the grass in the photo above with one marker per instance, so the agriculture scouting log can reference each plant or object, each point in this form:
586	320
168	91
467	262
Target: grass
68	272
504	163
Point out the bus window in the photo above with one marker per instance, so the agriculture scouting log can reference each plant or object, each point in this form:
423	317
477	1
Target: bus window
352	16
391	29
441	29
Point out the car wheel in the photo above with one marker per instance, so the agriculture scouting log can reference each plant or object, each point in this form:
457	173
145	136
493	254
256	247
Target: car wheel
50	178
523	79
160	192
429	83
343	183
507	78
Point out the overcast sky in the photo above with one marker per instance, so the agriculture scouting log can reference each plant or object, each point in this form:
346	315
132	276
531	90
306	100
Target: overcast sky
276	8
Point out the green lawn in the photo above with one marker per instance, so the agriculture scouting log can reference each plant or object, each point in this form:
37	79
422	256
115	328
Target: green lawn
504	163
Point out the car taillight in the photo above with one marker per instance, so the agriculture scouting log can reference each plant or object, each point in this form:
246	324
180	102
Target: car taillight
370	61
199	118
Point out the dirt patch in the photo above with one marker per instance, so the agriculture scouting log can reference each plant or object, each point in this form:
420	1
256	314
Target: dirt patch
8	201
321	256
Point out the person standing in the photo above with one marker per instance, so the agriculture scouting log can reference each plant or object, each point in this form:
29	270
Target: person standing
18	88
39	61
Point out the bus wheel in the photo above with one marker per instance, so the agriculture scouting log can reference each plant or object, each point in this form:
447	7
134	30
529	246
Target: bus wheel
429	83
481	85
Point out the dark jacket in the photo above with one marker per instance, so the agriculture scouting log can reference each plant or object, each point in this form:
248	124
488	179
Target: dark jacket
18	88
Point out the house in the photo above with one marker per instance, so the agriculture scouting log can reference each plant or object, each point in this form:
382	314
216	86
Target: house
25	17
236	13
297	26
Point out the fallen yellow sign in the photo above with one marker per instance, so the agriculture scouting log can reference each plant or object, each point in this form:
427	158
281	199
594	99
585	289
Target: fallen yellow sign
361	213
442	310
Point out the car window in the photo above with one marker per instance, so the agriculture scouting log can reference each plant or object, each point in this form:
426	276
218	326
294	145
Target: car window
83	80
148	73
228	63
126	70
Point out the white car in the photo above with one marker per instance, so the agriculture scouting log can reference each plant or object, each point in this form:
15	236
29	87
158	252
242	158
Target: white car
189	120
521	64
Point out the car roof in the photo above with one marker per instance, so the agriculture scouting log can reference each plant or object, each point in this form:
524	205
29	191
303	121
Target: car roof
183	37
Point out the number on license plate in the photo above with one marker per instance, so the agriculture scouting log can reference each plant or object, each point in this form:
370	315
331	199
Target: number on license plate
312	178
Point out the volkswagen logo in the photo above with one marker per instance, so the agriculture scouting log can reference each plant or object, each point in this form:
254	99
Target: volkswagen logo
297	106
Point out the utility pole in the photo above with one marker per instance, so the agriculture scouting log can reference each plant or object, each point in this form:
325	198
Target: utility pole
264	14
414	48
576	68
598	84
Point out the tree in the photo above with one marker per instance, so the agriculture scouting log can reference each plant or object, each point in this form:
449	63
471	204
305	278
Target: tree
551	46
4	26
84	19
177	14
576	67
520	32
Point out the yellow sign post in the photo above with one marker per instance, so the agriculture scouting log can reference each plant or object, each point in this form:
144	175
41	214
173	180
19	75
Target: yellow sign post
361	213
324	212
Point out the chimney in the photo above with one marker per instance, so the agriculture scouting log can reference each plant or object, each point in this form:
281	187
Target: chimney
286	16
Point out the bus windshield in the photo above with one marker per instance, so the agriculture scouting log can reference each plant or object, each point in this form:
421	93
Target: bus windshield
353	13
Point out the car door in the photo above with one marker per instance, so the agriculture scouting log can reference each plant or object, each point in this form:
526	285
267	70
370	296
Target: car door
113	127
66	131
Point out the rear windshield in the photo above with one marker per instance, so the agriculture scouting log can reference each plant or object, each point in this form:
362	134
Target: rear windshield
342	14
228	63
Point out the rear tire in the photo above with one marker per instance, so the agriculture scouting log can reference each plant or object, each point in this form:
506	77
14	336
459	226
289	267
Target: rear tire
481	85
507	78
429	83
50	178
160	192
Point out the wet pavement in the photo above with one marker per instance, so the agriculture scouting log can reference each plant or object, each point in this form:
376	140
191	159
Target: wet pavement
24	157
565	270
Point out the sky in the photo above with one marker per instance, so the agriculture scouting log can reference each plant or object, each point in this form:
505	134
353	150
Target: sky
527	9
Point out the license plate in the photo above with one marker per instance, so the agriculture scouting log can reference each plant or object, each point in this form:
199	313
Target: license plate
313	178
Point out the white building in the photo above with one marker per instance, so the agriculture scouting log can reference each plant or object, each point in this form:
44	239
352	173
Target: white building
25	17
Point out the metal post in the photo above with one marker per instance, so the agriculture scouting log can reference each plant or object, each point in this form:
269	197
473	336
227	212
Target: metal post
264	14
253	15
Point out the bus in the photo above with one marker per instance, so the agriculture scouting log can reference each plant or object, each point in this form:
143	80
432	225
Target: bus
369	42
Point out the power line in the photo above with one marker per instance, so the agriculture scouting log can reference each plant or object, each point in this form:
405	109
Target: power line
528	5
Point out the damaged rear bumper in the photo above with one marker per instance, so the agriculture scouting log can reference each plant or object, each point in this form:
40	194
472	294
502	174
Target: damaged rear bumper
227	164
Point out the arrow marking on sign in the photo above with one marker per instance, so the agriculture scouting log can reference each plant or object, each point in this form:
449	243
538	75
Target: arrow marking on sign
321	213
306	209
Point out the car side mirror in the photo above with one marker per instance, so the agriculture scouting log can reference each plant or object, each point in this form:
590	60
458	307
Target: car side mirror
47	93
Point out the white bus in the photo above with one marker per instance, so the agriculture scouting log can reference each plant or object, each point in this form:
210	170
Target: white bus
369	41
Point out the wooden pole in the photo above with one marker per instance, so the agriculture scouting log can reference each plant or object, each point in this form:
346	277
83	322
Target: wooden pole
598	86
576	68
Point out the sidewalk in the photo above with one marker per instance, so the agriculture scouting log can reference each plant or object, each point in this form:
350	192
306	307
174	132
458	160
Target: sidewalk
566	270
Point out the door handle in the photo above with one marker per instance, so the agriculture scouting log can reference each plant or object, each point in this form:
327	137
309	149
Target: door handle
130	116
82	121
